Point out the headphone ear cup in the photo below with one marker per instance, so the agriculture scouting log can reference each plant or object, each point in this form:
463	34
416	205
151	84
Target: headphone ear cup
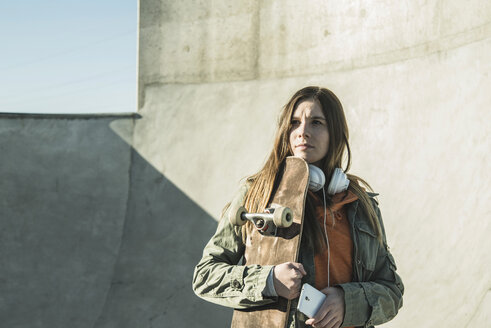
339	182
317	179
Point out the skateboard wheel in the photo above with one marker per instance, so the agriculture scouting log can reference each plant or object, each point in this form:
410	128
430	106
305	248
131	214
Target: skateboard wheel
235	215
283	217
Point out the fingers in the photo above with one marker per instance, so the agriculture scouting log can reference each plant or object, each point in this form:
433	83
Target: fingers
297	275
287	279
321	314
329	321
331	313
300	268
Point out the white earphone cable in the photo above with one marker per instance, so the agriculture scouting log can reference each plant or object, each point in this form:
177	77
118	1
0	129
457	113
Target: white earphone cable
327	239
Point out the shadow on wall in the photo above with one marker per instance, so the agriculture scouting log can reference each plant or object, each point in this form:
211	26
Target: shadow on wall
163	239
90	238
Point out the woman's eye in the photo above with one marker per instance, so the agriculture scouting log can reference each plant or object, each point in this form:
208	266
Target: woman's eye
317	122
295	122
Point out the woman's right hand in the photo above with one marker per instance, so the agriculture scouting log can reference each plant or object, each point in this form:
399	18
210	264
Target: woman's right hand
287	278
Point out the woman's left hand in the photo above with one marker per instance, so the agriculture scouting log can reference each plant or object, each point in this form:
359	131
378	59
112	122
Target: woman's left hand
331	313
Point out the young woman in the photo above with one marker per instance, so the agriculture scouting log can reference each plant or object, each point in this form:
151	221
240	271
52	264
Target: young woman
343	253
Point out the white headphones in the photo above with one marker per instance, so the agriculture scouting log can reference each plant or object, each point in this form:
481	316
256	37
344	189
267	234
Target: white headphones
339	181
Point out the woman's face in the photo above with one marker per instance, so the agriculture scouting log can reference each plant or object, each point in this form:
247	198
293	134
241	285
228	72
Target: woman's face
309	137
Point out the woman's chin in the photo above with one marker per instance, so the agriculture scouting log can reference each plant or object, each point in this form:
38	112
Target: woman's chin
302	156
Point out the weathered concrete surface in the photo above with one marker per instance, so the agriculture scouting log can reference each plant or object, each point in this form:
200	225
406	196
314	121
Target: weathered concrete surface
211	41
413	80
103	219
163	239
91	235
64	191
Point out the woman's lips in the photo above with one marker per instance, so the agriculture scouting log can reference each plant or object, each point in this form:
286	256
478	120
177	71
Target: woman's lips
303	146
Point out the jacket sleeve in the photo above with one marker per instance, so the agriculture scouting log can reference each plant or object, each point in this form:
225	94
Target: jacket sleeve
377	300
218	277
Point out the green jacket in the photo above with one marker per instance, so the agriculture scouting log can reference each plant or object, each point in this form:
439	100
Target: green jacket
374	297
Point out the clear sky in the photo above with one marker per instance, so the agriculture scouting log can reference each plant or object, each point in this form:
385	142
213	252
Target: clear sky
68	56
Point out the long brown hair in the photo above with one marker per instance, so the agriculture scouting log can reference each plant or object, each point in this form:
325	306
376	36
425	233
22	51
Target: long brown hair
264	182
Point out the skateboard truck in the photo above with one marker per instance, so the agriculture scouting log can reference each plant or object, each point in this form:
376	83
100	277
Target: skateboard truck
266	223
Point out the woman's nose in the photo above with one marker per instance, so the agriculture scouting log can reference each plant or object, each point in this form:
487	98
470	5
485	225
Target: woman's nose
303	130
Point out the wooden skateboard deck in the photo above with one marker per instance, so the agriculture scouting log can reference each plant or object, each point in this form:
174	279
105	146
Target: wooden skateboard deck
269	250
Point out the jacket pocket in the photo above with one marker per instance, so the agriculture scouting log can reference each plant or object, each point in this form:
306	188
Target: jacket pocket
367	250
393	268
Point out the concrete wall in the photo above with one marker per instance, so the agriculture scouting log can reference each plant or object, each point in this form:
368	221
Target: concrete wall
103	218
412	77
64	193
92	235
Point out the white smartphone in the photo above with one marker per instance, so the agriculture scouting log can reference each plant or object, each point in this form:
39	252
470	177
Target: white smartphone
310	300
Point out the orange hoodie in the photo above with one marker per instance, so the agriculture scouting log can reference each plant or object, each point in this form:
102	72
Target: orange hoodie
340	242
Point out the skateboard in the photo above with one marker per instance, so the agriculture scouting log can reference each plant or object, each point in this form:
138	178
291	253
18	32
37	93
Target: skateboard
279	242
267	223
